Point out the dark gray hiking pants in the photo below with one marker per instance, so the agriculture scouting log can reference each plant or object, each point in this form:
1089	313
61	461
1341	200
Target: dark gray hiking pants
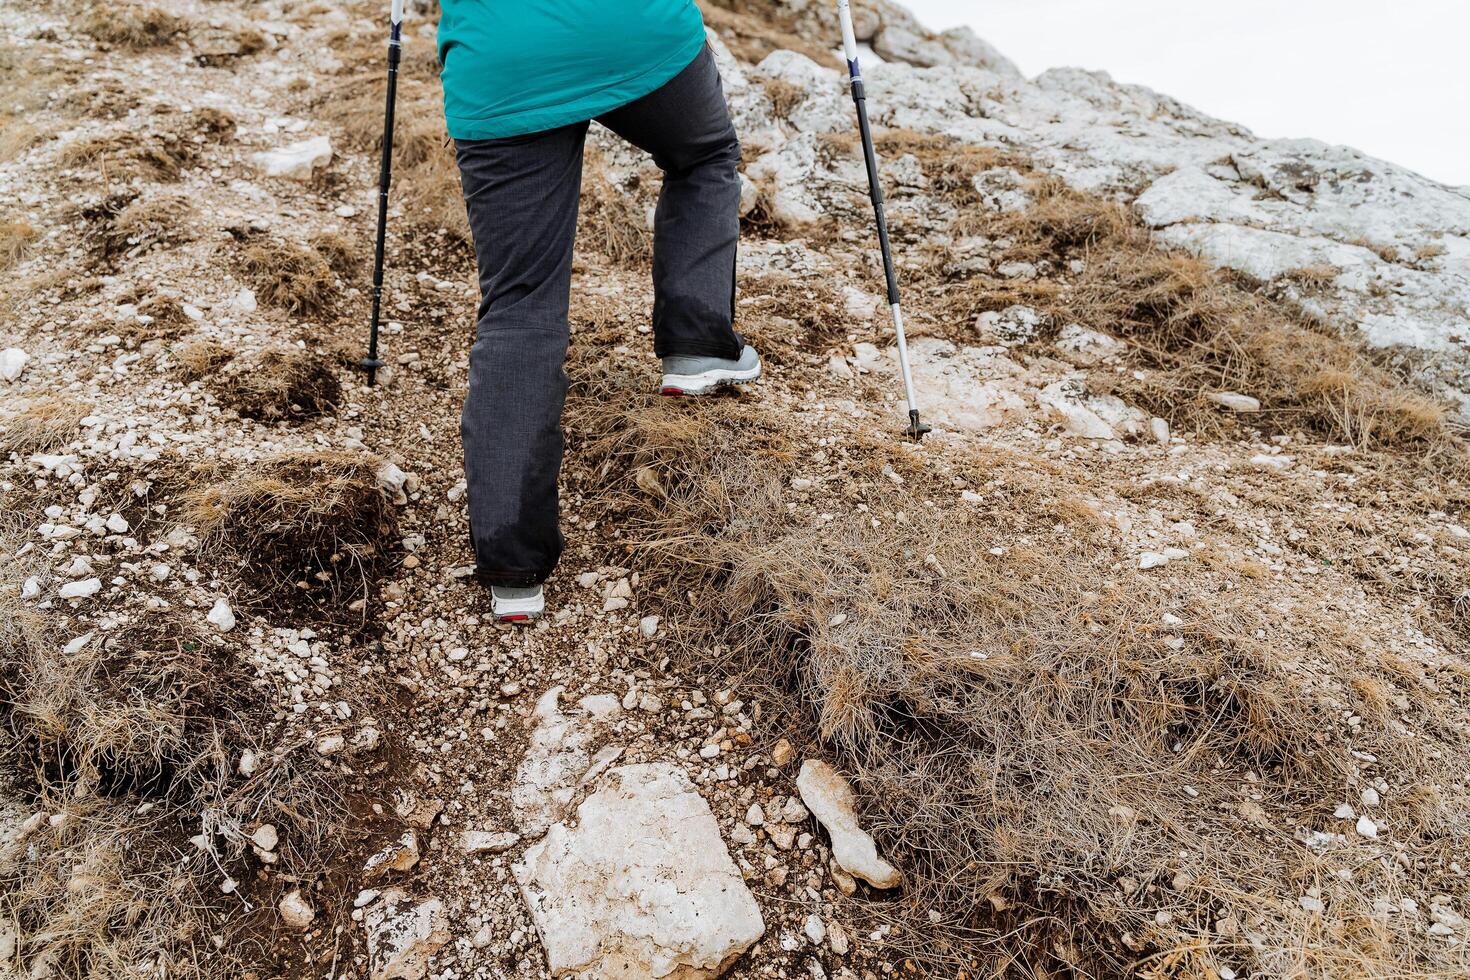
521	193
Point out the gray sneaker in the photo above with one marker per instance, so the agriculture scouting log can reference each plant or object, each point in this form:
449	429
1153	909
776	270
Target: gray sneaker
702	375
516	605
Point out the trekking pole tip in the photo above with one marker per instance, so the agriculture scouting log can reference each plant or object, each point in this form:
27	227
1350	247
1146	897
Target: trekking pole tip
916	430
371	365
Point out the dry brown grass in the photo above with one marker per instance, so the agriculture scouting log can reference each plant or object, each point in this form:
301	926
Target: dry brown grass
199	358
784	96
159	219
613	220
1067	788
280	383
133	26
40	426
129	745
160	156
307	529
343	255
426	176
1197	329
295	277
752	29
17	136
16	238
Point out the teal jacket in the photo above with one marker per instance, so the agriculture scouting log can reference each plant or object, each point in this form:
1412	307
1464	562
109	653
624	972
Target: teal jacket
522	66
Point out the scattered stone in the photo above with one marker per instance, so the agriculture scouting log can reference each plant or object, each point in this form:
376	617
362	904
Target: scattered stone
296	910
1366	827
221	616
402	936
829	797
266	837
642	886
330	745
13	362
401	855
297	161
782	752
84	589
1235	401
487	842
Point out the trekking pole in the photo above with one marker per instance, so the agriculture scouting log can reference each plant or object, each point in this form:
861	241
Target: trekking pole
371	363
916	429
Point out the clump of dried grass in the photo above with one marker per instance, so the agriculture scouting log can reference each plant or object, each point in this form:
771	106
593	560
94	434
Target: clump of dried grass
199	358
423	156
160	219
784	96
133	26
40	426
1050	769
295	277
280	383
129	745
342	254
16	238
17	136
307	528
160	156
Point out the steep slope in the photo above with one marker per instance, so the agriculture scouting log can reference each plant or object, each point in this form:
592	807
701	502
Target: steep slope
1151	661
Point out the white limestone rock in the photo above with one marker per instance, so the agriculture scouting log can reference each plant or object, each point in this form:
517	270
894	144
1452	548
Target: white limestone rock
805	184
965	388
487	842
13	363
84	589
1090	416
642	886
403	935
297	161
830	799
558	759
221	616
296	911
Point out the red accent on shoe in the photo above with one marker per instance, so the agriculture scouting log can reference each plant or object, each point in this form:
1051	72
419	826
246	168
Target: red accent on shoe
517	618
671	391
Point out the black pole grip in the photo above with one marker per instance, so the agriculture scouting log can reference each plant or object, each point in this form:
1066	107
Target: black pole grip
875	188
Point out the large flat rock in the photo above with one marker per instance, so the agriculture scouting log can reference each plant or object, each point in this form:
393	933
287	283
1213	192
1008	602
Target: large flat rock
642	886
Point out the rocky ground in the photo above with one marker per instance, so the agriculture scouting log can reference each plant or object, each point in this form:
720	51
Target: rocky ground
1151	660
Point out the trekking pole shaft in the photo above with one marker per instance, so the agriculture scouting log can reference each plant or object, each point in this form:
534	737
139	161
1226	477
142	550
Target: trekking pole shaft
875	193
385	179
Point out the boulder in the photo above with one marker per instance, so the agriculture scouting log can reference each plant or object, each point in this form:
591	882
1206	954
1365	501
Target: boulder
641	886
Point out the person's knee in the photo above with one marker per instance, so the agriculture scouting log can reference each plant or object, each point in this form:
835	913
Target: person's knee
717	154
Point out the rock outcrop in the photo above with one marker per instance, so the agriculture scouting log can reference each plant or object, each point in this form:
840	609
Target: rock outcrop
641	886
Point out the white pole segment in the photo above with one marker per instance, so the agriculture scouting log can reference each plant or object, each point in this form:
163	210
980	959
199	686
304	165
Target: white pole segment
395	12
903	358
849	39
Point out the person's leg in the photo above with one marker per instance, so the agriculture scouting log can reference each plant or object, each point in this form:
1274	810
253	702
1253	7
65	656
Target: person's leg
521	195
685	126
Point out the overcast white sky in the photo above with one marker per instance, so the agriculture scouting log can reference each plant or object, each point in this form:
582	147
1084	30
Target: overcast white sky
1390	77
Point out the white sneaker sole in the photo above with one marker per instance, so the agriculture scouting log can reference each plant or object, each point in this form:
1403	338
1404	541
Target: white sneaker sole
706	381
518	610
